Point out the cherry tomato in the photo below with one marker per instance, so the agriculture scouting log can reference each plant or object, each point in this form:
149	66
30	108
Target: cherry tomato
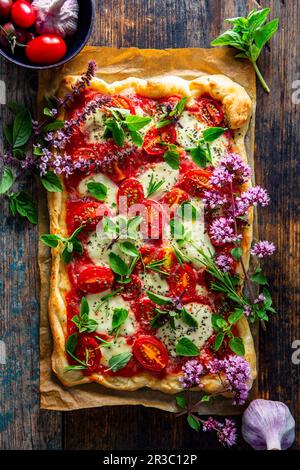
122	102
195	182
145	311
153	138
174	198
46	49
84	153
151	353
5	7
208	110
89	213
153	219
131	290
182	281
88	351
95	279
23	14
131	191
168	257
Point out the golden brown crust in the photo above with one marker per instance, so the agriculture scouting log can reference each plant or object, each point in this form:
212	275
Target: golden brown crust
237	105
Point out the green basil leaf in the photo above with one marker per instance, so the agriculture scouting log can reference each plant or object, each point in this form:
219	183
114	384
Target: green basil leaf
50	240
188	319
118	134
163	123
119	317
6	180
193	423
84	307
119	361
47	112
205	398
22	128
179	107
53	126
51	182
136	123
185	347
12	204
159	299
15	107
237	253
129	249
212	133
8	133
229	38
264	34
236	345
259	278
97	190
172	159
137	138
117	265
257	18
199	156
235	316
219	340
71	343
187	211
133	224
181	402
25	207
218	322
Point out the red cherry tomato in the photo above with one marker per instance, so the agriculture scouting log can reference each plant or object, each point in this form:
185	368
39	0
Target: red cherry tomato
153	218
95	279
182	281
145	311
46	49
174	198
153	138
122	102
151	353
168	257
133	289
84	153
5	7
89	213
195	182
88	351
208	110
23	14
132	191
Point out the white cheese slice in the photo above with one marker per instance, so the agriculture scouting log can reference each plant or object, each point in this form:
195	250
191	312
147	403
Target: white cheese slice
112	189
117	346
160	171
154	282
188	129
199	335
219	149
102	312
93	127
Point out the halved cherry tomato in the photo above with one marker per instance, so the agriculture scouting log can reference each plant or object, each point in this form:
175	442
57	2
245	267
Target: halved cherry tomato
46	49
84	153
122	102
182	281
145	311
95	279
132	191
151	353
133	289
89	213
208	110
88	351
169	258
153	138
174	198
23	14
195	182
153	219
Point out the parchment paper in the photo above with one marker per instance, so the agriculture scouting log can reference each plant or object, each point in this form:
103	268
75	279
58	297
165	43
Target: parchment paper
118	64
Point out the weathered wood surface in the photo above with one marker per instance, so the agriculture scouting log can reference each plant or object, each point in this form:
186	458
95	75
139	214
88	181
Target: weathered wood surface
161	24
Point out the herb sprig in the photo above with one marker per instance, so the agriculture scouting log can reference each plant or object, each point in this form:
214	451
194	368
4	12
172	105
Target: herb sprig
122	122
70	245
201	153
83	321
168	117
249	35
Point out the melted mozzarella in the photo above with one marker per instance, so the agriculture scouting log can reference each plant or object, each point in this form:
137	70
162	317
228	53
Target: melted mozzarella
117	346
160	171
93	127
154	282
102	312
219	149
198	335
188	129
112	188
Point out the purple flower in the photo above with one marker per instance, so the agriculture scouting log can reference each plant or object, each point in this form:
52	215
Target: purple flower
227	433
212	199
224	263
191	373
256	195
210	424
221	177
235	166
247	311
259	299
263	249
221	230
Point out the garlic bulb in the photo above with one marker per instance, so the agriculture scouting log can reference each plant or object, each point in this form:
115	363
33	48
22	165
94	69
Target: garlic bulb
268	425
56	16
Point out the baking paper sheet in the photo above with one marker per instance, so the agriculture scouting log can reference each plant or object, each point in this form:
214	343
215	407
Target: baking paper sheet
118	64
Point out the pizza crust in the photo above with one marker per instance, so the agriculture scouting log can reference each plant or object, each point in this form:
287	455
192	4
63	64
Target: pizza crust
237	107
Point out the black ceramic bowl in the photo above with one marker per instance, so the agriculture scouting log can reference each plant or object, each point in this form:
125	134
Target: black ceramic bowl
74	43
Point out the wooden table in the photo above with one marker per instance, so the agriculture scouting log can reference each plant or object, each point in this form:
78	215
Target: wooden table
161	24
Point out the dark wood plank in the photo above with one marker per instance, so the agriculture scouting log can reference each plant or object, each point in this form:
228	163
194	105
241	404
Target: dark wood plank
22	424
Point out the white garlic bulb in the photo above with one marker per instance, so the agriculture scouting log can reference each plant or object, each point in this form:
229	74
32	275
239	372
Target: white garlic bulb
56	16
268	425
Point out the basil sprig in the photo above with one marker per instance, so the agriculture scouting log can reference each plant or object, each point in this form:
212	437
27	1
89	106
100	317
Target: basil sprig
97	190
119	361
71	245
21	203
173	309
122	122
118	319
201	153
168	117
185	347
83	322
249	35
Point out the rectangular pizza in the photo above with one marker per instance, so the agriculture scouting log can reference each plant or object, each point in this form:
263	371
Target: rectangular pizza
146	226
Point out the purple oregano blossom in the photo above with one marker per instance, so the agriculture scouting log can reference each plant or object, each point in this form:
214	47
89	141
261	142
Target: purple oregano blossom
231	168
226	432
222	230
192	370
263	249
224	263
